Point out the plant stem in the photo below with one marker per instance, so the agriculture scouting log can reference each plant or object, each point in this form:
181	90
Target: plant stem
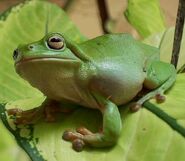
67	4
103	14
178	32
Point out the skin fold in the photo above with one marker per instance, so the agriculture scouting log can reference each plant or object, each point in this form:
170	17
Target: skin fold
101	73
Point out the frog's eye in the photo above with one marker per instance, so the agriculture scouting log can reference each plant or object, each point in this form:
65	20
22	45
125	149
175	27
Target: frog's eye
55	42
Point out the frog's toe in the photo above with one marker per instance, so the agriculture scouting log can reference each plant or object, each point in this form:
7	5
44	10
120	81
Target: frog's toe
135	106
84	131
14	111
22	121
78	145
76	138
70	136
160	98
24	117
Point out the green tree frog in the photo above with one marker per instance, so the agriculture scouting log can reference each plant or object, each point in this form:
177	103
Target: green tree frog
101	73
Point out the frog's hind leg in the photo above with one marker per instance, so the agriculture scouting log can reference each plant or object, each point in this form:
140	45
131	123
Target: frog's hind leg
160	77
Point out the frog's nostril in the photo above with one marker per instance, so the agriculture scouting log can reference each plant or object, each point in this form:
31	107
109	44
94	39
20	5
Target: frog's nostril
30	47
15	54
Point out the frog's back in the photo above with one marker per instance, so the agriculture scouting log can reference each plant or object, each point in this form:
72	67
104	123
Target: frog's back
120	62
117	47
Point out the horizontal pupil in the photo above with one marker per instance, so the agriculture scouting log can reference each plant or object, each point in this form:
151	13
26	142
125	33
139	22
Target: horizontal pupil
55	40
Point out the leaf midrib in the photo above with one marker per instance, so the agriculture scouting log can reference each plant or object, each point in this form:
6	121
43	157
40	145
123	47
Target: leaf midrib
172	122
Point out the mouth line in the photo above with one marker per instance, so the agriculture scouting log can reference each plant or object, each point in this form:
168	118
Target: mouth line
24	60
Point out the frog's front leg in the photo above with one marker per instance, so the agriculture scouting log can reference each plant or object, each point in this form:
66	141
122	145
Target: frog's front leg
47	110
107	137
160	77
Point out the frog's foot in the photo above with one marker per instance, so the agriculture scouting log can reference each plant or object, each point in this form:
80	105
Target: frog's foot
83	136
77	138
135	106
47	110
160	98
25	117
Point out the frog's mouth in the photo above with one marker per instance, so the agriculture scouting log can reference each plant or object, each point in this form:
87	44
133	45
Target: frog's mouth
38	59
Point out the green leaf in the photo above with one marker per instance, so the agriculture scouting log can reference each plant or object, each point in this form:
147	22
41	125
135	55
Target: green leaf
8	146
22	24
164	41
145	16
145	134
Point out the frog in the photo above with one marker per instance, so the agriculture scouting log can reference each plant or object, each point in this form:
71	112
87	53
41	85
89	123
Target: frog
102	73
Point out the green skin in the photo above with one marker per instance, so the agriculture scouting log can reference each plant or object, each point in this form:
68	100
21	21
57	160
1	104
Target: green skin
101	73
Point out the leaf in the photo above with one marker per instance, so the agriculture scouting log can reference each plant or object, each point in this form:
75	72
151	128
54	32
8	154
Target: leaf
145	135
145	16
164	41
8	146
23	24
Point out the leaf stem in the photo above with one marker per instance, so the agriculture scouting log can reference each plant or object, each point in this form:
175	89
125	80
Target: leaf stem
172	122
104	15
67	5
178	32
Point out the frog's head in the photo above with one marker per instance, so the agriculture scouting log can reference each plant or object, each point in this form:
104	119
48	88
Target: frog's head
48	56
52	45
